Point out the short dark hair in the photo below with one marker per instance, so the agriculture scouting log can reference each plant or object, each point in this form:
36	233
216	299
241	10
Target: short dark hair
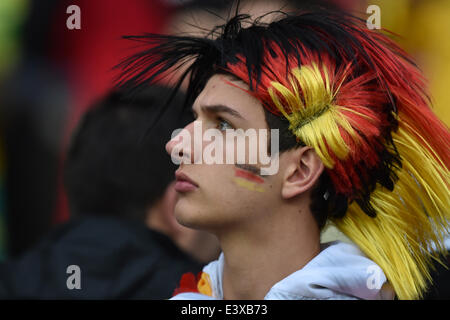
116	165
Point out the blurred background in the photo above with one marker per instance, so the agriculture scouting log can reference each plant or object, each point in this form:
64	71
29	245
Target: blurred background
49	75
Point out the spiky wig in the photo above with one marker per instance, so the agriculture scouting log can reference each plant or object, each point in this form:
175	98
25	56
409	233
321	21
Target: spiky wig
359	101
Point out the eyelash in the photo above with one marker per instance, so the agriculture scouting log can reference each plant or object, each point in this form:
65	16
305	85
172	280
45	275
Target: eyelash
220	121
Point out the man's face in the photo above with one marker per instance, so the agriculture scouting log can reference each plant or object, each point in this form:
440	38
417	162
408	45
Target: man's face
217	196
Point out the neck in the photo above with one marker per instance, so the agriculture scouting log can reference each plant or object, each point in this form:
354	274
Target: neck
259	255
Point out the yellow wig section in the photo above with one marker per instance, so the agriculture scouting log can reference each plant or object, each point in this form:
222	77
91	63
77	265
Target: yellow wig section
314	119
408	231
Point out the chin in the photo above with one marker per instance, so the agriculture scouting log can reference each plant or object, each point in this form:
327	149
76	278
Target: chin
187	214
194	216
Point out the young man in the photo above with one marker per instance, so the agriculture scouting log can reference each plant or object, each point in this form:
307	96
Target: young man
358	145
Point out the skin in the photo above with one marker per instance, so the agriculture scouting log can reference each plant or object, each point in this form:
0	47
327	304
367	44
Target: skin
265	236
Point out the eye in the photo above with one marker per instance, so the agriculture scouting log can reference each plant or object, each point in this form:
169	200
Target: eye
223	124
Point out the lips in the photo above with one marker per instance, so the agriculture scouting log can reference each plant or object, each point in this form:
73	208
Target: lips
183	183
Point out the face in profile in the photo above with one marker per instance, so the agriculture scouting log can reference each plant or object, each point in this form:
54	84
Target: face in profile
218	196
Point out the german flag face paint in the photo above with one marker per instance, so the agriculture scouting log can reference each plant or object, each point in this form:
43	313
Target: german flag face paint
247	176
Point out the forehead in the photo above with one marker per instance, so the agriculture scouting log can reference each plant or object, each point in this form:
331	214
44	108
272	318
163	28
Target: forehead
233	93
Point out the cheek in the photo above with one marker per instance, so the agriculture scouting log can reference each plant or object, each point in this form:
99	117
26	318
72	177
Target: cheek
251	200
248	185
233	191
255	193
227	195
247	177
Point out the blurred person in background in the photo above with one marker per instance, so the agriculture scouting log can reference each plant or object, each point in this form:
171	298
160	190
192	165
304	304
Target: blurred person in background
122	235
49	76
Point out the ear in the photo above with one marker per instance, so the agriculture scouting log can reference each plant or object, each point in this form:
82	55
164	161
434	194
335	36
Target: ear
303	169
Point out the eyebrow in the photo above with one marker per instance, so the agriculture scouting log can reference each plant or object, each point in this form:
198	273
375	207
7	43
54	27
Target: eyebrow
219	108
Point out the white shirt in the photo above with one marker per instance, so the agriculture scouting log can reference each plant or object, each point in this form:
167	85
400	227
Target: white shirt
339	271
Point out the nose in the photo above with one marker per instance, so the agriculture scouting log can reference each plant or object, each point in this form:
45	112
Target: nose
180	146
171	143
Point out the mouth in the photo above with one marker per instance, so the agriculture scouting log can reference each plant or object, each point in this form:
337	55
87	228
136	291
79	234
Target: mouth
183	183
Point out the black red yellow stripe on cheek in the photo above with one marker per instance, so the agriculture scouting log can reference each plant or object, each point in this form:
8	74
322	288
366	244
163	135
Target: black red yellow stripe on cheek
247	176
